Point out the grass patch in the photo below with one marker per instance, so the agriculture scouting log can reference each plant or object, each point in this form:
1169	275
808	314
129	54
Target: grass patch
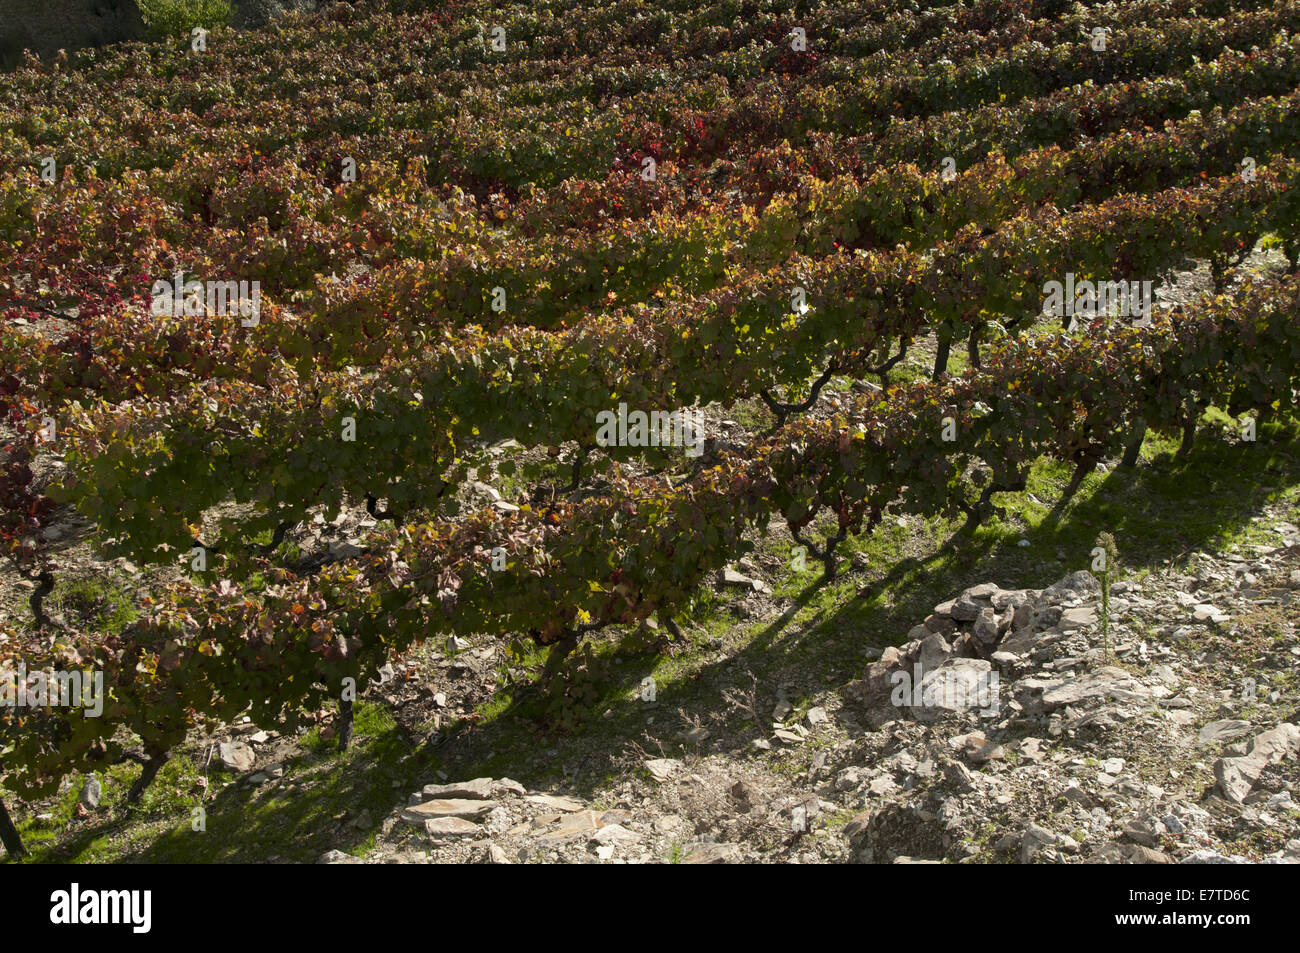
102	604
310	810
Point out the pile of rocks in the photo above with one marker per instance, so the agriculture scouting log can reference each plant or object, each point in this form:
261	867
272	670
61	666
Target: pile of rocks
1143	750
1073	740
499	821
967	649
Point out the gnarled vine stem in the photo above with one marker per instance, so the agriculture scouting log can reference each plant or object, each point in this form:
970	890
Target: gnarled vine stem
782	410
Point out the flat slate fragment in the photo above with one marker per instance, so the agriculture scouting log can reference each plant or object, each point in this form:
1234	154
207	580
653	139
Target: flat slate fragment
445	807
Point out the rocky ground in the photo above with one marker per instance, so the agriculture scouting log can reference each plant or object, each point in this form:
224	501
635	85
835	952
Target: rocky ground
1034	733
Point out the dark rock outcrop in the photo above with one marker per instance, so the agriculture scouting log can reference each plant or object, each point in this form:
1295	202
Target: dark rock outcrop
250	14
47	26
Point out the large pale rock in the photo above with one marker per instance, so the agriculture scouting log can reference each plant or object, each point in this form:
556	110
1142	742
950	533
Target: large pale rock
508	786
1226	729
661	769
572	825
966	608
1012	598
91	793
614	834
1077	618
1035	840
1119	853
959	684
874	688
935	650
1100	686
451	827
553	802
236	755
480	789
941	624
986	627
445	807
1236	776
1076	585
